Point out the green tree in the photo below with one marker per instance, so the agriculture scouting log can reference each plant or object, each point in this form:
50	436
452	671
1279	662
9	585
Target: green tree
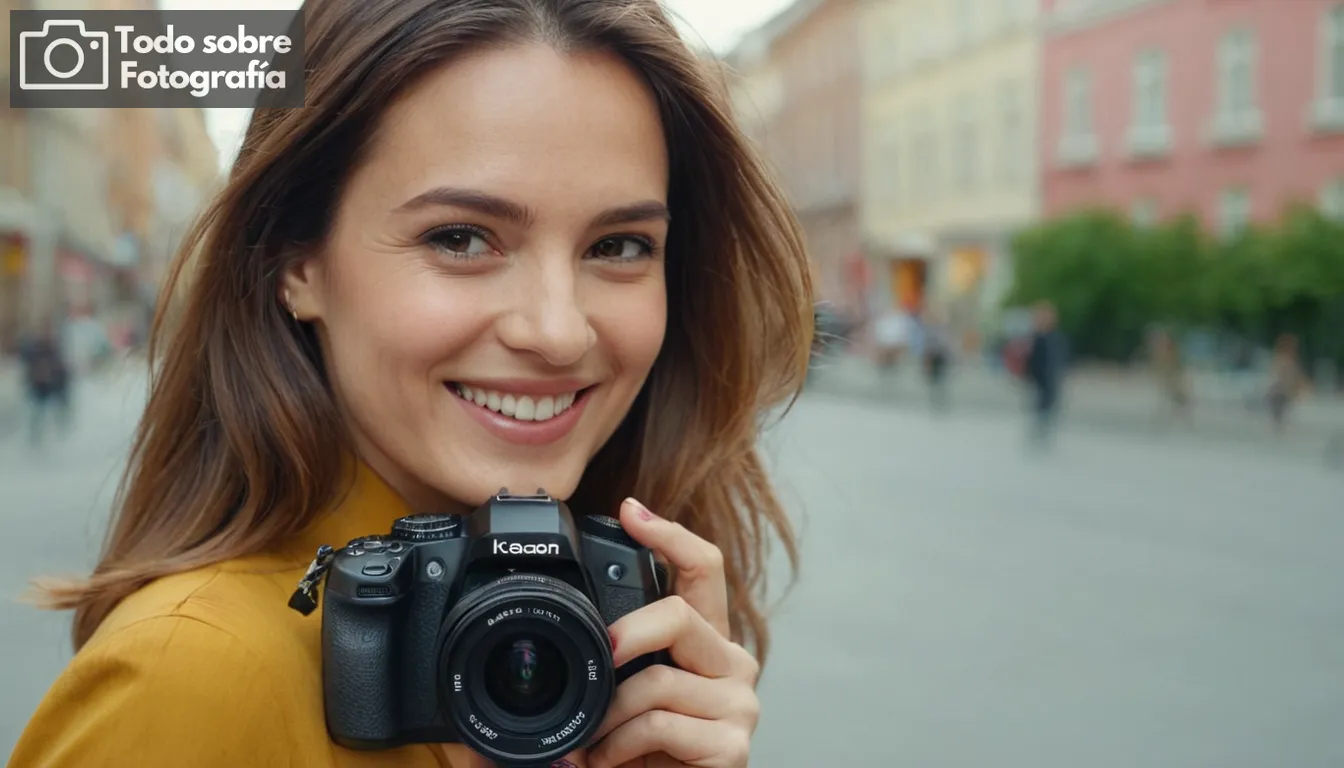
1084	264
1111	280
1306	256
1173	261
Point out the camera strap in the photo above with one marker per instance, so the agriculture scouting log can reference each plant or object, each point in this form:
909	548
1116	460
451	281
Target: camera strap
304	599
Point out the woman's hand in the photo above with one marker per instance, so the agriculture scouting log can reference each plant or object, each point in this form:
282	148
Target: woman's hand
704	713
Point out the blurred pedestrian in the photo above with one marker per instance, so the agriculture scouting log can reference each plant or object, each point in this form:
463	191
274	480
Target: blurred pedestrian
1287	380
937	356
892	334
1173	379
47	380
1047	358
1244	381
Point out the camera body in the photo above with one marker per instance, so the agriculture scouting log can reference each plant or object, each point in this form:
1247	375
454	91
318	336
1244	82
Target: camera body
488	630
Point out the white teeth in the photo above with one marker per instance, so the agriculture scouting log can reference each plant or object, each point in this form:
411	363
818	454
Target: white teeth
520	407
526	409
545	408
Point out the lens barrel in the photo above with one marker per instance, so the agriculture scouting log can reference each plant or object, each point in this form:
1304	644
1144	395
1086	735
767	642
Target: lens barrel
526	669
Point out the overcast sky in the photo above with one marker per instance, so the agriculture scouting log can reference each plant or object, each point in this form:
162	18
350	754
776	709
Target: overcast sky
718	23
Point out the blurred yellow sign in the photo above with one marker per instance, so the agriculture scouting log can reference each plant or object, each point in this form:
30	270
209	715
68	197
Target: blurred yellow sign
14	259
967	268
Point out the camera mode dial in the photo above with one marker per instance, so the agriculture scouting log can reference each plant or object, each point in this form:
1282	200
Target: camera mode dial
608	528
427	527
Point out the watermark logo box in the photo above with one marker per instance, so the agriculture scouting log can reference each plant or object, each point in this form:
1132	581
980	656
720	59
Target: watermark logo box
111	59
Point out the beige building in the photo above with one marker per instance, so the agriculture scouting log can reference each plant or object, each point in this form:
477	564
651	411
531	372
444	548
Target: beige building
796	90
92	202
949	144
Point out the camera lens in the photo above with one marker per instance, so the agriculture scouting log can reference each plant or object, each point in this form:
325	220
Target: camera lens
525	669
525	676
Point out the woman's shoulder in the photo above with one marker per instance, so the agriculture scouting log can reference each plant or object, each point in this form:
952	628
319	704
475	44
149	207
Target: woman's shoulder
196	663
244	599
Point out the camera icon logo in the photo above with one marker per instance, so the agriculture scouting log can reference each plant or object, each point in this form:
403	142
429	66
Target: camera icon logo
45	58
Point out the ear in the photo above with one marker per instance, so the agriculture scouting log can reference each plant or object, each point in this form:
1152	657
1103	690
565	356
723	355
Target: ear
301	288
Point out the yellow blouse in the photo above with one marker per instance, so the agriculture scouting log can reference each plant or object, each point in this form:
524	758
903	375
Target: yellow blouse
212	668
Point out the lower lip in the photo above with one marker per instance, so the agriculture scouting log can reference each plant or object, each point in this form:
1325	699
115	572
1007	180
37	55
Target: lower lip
524	432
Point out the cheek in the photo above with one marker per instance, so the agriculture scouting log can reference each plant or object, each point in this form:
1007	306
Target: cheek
632	325
399	321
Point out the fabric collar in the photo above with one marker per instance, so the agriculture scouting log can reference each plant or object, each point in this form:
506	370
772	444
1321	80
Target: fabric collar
368	507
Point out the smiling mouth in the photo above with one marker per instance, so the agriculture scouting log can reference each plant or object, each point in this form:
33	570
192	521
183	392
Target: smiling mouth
525	408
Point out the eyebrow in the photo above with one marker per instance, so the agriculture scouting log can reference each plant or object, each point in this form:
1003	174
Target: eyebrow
498	207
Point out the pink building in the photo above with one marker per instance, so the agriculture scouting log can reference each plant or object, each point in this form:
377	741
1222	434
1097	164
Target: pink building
1229	109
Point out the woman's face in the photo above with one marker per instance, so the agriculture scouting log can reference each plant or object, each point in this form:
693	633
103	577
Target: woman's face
491	297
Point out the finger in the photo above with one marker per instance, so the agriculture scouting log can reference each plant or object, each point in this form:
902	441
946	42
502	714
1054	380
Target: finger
699	564
689	740
676	690
672	624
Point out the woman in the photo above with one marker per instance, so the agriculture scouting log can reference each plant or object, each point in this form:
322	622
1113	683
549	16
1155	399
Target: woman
1287	381
491	212
47	377
1172	377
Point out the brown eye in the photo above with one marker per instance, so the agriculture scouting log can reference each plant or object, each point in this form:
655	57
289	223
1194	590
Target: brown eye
460	242
621	248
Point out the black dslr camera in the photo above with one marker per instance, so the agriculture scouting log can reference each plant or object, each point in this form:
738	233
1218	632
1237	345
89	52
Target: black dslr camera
489	630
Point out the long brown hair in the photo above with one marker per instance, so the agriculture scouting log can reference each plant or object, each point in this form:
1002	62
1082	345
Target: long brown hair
240	445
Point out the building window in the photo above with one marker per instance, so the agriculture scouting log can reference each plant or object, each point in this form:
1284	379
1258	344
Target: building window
1000	15
1234	212
1335	50
965	21
968	146
884	48
1238	118
1329	109
1150	133
889	184
1078	143
1143	212
1012	133
924	183
1332	199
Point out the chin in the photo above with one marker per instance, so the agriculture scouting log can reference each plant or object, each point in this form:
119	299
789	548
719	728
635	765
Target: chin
557	483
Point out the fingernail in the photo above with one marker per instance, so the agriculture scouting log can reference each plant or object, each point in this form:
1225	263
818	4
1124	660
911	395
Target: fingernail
644	513
612	637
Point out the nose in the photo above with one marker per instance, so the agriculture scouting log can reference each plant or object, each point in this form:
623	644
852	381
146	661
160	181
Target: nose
545	317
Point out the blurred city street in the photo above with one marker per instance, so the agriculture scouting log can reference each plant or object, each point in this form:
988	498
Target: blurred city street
1124	601
1109	399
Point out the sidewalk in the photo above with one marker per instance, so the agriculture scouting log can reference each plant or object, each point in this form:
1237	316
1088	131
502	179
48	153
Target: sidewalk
1104	399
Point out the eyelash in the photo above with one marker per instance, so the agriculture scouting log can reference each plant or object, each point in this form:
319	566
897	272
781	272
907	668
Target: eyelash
436	236
649	249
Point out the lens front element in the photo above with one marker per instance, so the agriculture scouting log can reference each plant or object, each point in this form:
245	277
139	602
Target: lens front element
525	676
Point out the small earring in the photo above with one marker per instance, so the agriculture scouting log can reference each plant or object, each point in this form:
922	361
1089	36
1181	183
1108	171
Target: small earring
289	304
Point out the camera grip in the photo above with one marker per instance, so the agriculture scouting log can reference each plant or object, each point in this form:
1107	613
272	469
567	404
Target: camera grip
419	694
357	670
617	602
